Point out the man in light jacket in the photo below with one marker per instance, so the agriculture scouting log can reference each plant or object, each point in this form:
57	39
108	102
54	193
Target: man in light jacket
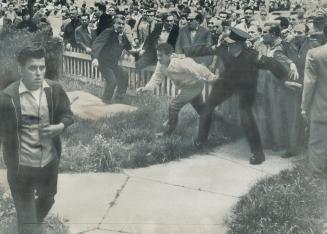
187	75
314	106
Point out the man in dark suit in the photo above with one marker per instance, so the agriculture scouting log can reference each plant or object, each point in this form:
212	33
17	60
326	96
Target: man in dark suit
84	35
165	32
69	30
241	66
193	39
106	51
105	20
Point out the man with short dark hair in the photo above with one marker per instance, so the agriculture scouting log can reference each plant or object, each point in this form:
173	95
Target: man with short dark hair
165	32
106	51
187	75
84	34
34	113
27	23
69	30
105	20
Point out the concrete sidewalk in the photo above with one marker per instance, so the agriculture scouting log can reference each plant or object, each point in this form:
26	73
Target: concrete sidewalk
193	195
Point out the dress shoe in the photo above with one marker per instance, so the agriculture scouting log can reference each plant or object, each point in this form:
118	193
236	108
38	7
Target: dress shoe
257	159
288	155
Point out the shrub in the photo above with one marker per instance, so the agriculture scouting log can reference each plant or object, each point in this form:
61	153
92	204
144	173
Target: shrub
285	203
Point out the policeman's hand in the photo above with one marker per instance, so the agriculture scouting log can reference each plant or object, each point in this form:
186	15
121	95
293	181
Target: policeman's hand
294	72
88	50
95	63
52	130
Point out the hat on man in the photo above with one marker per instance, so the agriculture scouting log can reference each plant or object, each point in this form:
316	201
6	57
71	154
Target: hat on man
237	35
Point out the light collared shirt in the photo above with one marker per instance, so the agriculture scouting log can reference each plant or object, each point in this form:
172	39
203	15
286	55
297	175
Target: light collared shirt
183	71
35	151
193	33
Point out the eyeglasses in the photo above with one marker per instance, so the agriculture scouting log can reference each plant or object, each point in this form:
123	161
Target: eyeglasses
263	14
190	20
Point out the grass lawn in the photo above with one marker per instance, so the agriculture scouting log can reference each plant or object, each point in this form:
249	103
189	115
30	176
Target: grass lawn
52	224
127	140
288	203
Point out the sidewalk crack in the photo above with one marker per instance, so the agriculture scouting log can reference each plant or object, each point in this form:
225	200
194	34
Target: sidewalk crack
182	186
114	201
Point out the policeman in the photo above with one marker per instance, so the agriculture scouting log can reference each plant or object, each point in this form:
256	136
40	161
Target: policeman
239	76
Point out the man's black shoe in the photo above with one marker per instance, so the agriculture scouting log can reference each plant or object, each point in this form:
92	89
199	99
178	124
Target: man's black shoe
257	159
288	155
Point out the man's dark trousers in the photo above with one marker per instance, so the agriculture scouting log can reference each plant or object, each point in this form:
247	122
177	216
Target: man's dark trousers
221	90
114	76
33	191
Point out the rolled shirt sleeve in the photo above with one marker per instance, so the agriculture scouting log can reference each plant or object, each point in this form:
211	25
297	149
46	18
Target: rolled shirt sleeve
157	77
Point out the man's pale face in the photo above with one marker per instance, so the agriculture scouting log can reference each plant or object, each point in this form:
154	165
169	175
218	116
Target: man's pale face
119	25
111	11
223	16
163	58
248	14
33	73
85	21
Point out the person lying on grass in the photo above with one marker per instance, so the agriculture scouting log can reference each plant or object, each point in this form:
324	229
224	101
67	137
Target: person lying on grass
188	76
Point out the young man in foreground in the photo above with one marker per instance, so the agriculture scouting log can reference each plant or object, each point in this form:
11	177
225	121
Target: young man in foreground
34	112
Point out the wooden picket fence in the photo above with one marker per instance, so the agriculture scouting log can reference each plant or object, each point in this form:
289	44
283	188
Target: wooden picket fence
78	65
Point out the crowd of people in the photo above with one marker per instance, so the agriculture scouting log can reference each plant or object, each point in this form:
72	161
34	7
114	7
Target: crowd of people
192	28
242	47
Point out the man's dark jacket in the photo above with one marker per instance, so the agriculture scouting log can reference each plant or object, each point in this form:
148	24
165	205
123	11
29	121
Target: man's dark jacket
107	49
83	37
27	24
151	41
105	21
242	71
11	119
69	32
150	45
